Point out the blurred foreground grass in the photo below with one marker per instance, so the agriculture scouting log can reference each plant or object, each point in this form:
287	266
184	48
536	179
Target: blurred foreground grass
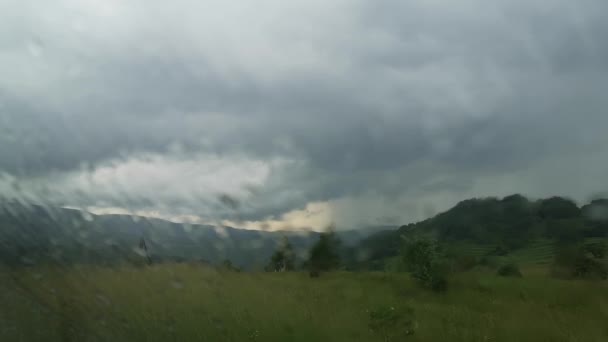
178	302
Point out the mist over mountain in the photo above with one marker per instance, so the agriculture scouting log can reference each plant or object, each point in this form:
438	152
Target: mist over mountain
32	234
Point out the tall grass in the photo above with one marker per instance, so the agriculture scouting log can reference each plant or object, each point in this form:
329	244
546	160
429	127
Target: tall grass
177	302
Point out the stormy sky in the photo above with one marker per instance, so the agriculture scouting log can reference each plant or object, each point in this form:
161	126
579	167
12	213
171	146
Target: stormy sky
293	114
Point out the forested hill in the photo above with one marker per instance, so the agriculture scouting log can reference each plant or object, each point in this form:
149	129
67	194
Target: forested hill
508	224
30	234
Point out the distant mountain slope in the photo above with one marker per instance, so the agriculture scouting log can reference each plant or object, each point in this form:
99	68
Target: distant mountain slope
31	234
509	224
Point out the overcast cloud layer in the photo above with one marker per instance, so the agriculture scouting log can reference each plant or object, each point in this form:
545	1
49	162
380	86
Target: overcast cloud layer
293	114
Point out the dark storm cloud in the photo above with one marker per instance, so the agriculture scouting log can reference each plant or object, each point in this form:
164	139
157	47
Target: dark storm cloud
384	97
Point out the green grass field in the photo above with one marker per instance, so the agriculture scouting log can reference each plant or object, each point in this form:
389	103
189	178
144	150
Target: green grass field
193	303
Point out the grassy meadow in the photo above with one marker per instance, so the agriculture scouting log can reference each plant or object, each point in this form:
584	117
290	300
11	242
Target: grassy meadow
180	302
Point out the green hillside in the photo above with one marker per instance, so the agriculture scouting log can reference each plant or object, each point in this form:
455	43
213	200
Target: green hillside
513	229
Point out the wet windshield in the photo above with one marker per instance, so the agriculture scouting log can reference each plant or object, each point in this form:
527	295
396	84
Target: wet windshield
303	170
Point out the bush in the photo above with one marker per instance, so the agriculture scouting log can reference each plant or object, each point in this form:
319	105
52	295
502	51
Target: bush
323	255
589	268
509	270
597	250
283	259
580	261
425	263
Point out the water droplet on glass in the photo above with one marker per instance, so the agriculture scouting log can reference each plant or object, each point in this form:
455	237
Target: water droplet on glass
87	216
34	47
102	299
176	284
140	251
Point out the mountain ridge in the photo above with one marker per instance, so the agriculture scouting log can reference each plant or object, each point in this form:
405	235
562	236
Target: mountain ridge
33	232
509	223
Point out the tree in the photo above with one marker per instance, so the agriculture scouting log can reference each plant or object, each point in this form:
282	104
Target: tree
323	255
423	259
566	231
597	250
581	261
558	208
283	258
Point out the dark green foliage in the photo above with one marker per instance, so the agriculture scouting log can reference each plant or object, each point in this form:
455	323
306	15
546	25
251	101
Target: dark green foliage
581	261
589	268
283	258
566	230
511	223
391	323
425	263
558	208
509	270
324	254
488	220
596	249
227	265
438	281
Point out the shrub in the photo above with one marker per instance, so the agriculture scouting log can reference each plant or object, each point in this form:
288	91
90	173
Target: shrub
590	268
425	263
283	258
596	249
509	270
580	261
323	255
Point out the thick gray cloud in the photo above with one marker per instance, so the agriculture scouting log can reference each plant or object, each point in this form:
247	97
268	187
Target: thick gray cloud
145	105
